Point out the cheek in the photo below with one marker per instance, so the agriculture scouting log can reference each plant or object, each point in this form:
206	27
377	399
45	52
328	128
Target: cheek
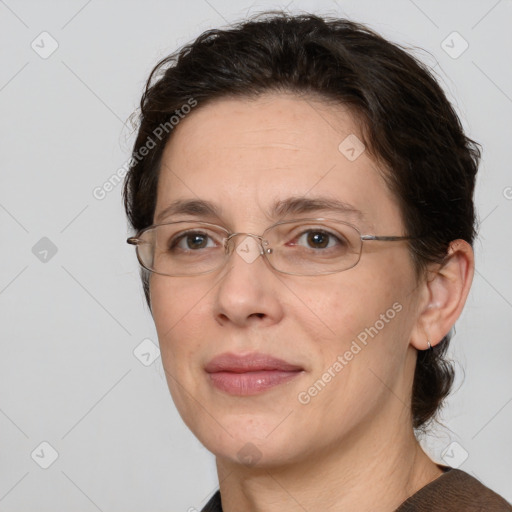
346	303
362	357
176	309
366	306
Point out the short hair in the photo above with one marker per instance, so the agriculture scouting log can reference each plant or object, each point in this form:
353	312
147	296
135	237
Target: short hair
406	122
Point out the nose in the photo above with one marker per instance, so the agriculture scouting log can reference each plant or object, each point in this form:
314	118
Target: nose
248	291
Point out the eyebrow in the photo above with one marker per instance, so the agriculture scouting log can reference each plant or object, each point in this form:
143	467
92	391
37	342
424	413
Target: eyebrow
280	208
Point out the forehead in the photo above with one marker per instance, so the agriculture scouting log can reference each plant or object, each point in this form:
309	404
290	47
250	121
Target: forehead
247	155
283	128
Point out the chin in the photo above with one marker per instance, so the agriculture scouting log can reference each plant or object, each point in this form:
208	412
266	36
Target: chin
252	453
250	440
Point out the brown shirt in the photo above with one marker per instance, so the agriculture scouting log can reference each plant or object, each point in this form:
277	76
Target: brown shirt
453	491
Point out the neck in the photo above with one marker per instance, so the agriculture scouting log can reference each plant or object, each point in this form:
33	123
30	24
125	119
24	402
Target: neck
374	468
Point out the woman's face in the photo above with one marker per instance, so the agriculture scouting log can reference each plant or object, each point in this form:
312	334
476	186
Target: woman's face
345	336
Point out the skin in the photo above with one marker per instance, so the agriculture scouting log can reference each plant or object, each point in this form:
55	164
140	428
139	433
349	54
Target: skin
352	447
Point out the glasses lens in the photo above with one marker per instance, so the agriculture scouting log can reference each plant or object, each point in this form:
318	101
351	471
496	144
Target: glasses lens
182	248
312	248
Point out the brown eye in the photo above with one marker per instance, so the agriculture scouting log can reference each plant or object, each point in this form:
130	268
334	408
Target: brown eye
318	239
196	241
190	241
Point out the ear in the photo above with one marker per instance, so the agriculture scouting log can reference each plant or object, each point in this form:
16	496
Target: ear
444	294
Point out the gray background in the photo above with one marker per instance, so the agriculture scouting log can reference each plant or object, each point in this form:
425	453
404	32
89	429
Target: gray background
70	321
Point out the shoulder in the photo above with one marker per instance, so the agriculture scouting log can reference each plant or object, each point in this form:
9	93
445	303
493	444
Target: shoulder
214	505
455	490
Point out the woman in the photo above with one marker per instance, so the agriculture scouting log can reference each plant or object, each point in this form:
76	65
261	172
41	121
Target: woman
302	193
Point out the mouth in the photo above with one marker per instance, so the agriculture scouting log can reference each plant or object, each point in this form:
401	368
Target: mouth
249	374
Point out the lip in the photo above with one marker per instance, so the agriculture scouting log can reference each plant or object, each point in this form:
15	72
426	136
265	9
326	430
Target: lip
249	374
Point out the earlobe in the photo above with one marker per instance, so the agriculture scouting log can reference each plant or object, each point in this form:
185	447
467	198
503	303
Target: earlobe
446	291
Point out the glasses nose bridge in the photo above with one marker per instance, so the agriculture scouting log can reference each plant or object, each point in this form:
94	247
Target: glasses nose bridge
262	243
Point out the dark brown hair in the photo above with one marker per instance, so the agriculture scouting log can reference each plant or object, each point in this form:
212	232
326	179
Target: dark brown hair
406	122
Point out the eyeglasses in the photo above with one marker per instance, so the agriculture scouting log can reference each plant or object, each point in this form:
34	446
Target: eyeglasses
303	247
